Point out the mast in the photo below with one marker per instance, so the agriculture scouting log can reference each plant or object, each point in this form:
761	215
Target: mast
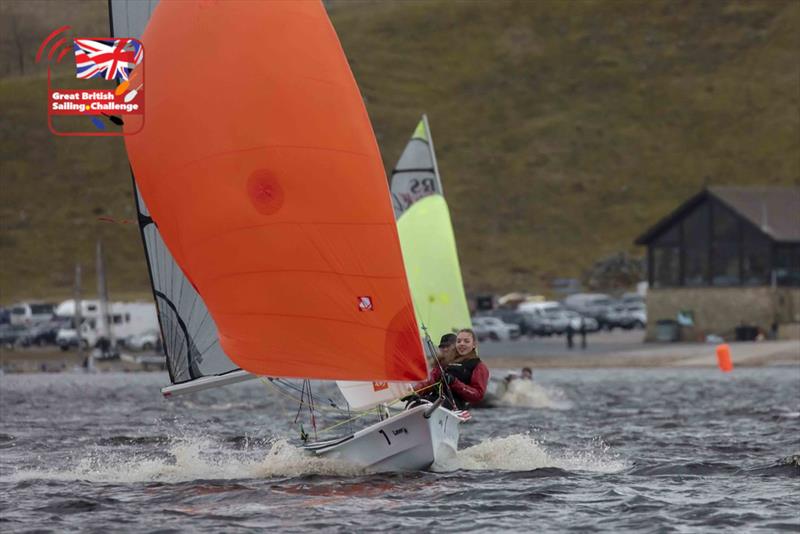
77	318
433	153
105	319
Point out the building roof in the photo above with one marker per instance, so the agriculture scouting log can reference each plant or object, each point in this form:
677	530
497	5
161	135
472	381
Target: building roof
774	210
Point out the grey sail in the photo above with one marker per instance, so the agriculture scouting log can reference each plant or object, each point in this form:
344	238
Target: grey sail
416	174
195	359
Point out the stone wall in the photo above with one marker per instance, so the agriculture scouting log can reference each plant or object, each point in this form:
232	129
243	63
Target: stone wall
719	310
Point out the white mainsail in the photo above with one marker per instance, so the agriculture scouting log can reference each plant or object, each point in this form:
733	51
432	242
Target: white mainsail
195	359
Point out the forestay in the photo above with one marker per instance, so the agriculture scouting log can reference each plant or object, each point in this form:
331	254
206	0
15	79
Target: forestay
244	193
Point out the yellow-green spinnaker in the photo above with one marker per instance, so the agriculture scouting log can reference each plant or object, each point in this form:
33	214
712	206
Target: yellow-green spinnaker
431	261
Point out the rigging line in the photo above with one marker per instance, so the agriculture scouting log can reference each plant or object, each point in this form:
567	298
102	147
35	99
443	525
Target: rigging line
170	282
300	407
214	341
183	282
429	342
311	409
289	385
191	310
351	418
203	322
154	253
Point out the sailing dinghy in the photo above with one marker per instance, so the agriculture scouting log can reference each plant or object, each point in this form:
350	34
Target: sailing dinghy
267	220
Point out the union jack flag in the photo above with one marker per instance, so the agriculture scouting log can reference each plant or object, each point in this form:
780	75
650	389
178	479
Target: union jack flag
106	58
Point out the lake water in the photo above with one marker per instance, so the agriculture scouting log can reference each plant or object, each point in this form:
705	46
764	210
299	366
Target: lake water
647	450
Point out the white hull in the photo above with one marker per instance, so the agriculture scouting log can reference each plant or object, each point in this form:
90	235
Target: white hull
407	441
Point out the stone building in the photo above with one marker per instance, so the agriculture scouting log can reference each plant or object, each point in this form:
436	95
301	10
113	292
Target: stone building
727	256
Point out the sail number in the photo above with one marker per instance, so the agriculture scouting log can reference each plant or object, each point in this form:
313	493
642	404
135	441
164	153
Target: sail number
401	430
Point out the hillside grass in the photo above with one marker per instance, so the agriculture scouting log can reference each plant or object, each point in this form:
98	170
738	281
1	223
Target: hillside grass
563	130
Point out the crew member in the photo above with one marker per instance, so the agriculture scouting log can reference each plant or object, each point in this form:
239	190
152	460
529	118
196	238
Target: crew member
465	375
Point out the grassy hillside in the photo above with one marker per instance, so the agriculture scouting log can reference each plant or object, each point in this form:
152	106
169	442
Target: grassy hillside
563	130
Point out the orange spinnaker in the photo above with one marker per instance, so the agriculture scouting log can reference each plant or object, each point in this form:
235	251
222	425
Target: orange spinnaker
259	166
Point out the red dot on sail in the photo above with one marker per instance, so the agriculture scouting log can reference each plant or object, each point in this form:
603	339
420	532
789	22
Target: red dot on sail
265	192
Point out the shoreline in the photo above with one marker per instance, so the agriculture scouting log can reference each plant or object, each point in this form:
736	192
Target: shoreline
695	355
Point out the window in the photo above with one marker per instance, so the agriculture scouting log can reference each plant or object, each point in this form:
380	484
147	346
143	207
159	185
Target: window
40	309
726	225
755	257
724	247
725	264
787	265
696	242
666	264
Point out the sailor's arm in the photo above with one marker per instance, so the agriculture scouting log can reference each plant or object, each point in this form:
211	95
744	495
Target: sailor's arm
474	391
433	379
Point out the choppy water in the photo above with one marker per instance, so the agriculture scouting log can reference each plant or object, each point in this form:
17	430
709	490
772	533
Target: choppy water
645	450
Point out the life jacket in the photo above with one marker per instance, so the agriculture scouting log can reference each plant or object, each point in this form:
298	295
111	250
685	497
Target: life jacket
463	372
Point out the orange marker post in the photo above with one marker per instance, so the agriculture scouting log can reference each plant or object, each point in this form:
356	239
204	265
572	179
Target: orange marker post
724	358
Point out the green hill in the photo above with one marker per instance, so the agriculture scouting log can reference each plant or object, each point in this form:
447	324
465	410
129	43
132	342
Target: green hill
563	130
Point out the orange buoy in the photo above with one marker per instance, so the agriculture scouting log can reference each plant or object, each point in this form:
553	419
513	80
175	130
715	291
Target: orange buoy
724	358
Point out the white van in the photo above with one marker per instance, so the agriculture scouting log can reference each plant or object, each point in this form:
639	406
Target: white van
591	304
539	308
30	313
125	319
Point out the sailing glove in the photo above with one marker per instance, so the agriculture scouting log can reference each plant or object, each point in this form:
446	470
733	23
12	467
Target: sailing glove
448	378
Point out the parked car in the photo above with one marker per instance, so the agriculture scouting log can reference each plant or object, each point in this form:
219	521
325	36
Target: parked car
493	328
536	313
43	333
632	299
595	305
148	340
639	315
576	321
626	317
617	317
512	317
13	335
539	325
561	318
67	338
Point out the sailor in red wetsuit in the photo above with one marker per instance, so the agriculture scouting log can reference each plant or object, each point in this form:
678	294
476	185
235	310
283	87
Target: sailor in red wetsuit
464	373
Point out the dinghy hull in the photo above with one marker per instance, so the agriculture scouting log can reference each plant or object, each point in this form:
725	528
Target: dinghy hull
408	441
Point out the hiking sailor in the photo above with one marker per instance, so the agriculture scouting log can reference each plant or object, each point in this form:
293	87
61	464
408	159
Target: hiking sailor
465	375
